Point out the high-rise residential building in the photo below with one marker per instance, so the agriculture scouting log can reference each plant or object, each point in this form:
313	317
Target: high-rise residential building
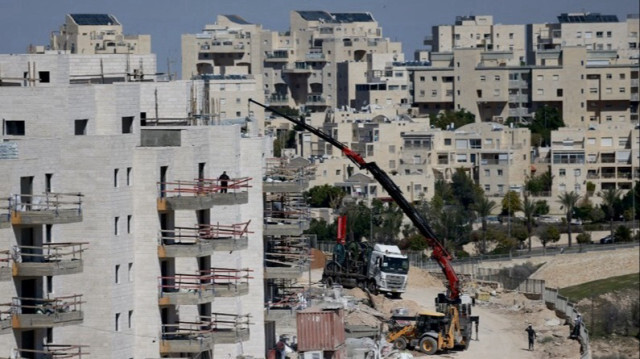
117	237
97	34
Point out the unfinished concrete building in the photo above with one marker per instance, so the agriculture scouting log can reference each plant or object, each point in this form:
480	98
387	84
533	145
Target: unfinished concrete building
116	236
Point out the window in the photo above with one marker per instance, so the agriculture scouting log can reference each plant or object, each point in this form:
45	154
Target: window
487	173
115	177
80	127
483	78
127	124
593	90
562	172
130	319
496	92
497	77
434	93
622	90
44	77
337	172
49	284
447	142
540	91
609	33
392	149
461	158
434	78
555	77
130	272
622	76
14	128
562	187
421	78
117	274
115	225
238	101
511	35
559	92
117	322
599	34
500	172
129	217
609	76
392	164
129	178
577	172
540	77
609	90
487	187
606	141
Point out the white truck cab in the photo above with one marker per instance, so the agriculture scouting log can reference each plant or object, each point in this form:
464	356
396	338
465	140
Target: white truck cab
389	268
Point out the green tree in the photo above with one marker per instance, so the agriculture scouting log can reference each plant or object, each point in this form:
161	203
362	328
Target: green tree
324	196
529	209
546	120
464	189
511	203
583	238
447	117
358	220
322	230
484	207
630	202
568	200
277	148
596	215
539	184
623	234
542	208
548	234
610	198
388	220
291	139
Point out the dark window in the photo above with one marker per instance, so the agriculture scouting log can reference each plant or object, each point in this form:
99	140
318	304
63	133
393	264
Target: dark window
44	77
80	127
14	128
127	125
559	92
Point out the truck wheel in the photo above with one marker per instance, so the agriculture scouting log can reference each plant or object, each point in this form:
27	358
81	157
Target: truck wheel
329	281
400	343
373	288
428	345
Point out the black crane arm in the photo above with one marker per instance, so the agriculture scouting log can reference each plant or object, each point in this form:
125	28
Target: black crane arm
440	254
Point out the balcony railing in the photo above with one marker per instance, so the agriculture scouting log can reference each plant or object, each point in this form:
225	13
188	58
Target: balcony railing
47	208
202	194
54	351
185	289
202	240
48	260
228	282
34	313
228	328
185	337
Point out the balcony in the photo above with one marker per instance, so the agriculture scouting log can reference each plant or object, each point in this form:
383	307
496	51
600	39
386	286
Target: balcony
518	98
519	112
185	289
634	97
298	68
277	56
48	208
5	265
51	351
222	47
35	313
316	100
228	282
278	100
203	240
295	186
48	260
201	194
286	258
274	226
228	328
315	57
185	337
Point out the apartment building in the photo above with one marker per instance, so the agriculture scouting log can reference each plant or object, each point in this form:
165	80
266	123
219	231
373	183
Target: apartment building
117	239
606	155
97	34
590	82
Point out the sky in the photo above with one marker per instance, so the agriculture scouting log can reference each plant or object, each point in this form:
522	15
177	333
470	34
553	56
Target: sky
24	22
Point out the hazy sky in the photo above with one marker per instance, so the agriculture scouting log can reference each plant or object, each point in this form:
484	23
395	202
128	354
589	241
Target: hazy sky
24	22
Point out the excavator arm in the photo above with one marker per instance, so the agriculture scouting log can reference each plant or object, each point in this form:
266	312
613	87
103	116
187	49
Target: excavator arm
440	254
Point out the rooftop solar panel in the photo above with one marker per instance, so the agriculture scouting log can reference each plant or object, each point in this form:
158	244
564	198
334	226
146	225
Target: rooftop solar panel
94	19
353	17
238	20
316	16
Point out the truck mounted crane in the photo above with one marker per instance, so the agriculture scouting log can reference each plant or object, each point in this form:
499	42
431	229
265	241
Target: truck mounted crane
457	312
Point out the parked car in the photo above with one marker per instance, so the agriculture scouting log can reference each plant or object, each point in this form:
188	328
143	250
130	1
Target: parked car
549	220
607	240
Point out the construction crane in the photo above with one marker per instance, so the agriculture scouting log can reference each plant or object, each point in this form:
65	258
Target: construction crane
440	254
457	320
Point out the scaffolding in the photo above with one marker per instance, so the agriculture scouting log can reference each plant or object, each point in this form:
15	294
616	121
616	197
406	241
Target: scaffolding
201	187
52	351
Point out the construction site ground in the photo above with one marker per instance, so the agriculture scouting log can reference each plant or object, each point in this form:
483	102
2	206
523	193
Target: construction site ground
506	314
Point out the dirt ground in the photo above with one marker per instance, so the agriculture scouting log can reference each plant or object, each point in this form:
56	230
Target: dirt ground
505	315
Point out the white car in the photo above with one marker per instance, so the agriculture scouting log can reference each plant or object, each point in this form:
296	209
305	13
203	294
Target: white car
549	220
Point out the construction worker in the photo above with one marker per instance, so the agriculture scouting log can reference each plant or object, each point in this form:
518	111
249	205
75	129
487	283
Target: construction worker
532	336
576	327
224	178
